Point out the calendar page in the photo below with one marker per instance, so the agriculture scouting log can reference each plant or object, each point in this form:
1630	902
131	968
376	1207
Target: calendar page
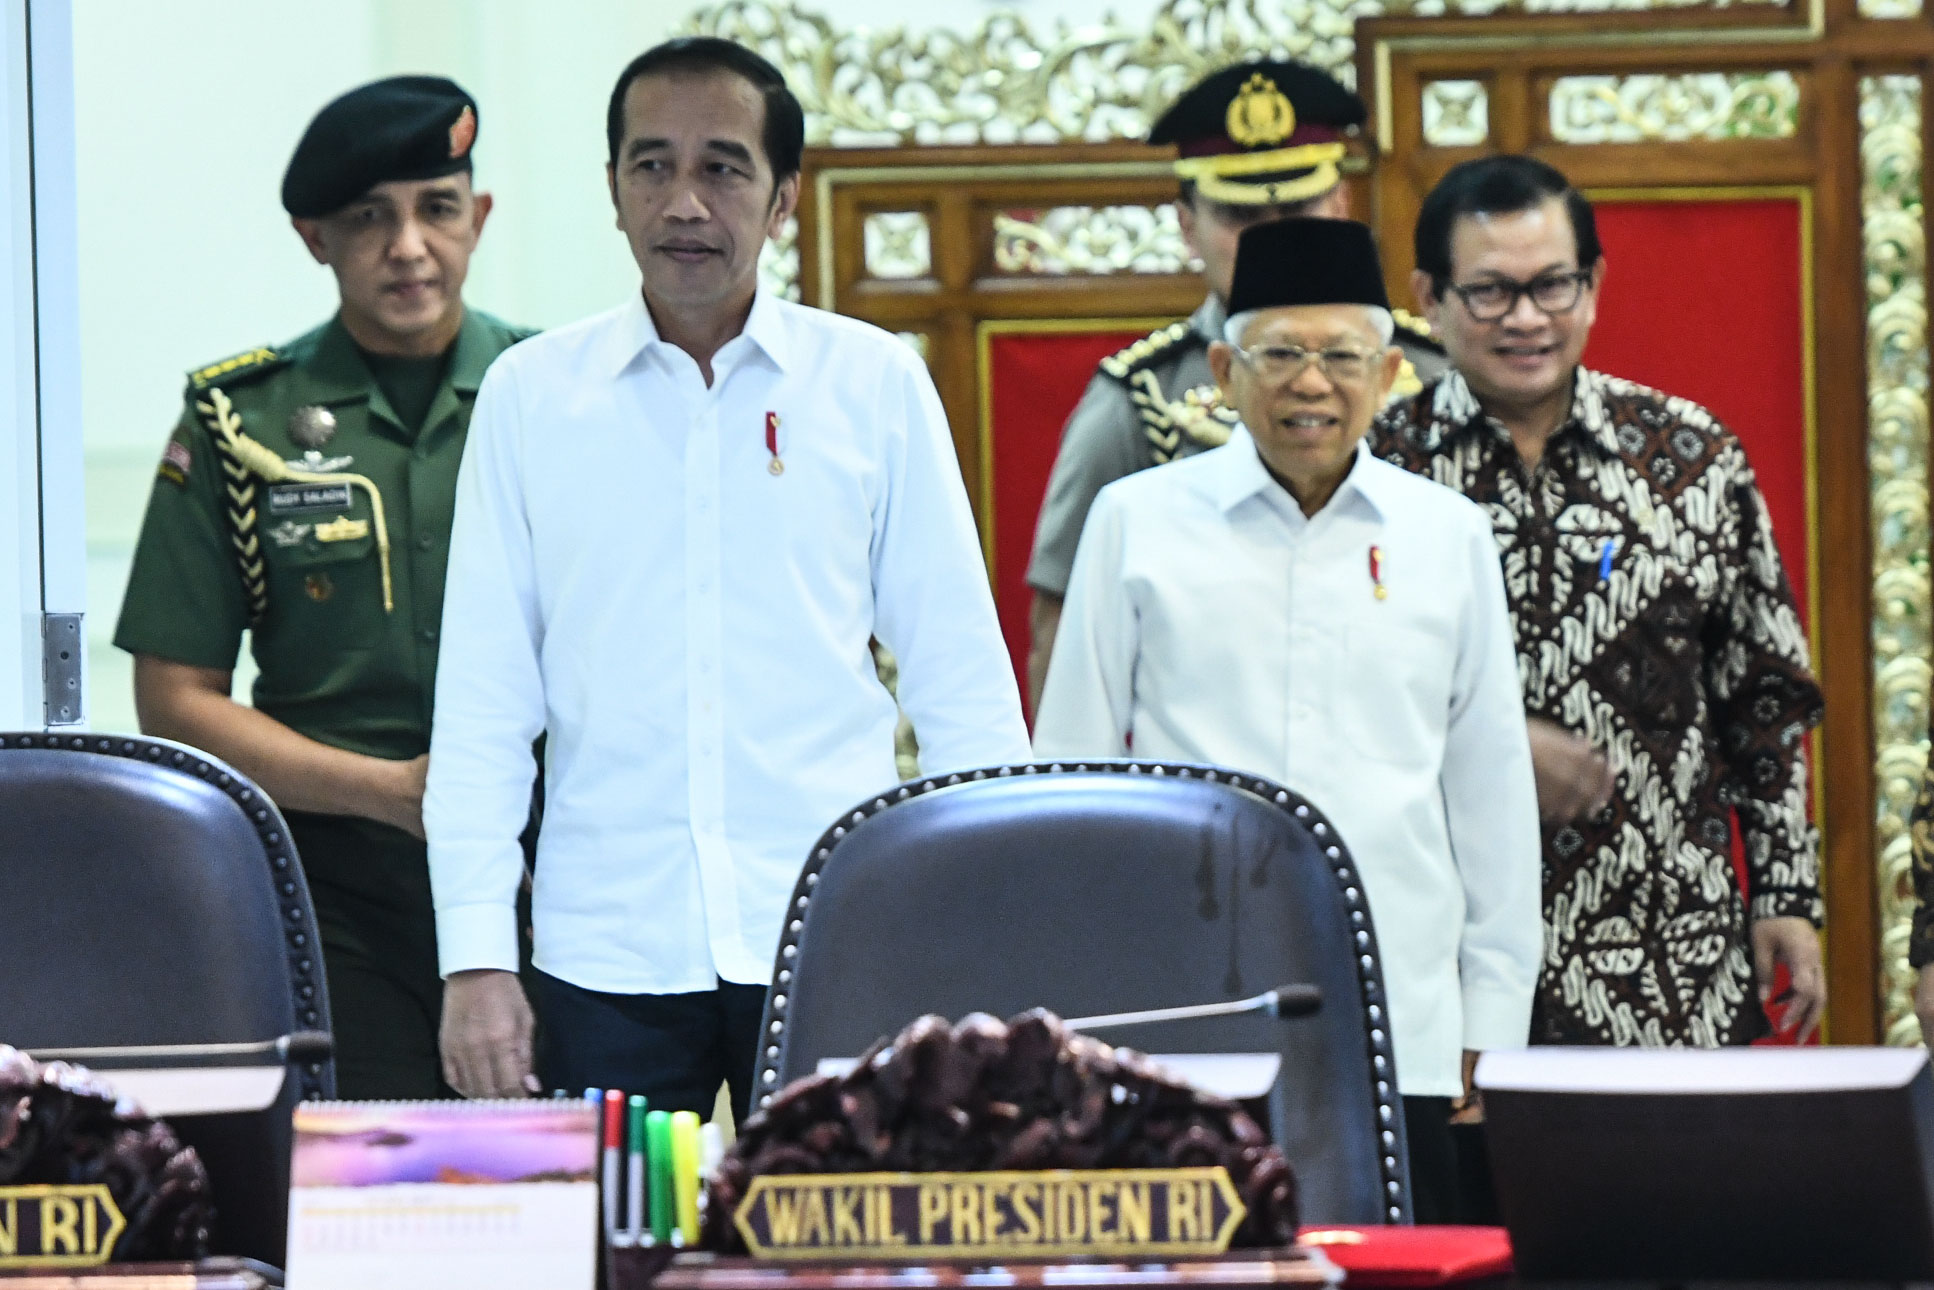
484	1195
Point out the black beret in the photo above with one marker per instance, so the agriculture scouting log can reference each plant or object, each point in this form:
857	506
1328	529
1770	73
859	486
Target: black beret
1261	132
1306	261
403	128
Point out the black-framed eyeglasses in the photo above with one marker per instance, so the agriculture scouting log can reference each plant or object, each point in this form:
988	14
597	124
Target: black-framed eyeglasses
1553	293
1287	362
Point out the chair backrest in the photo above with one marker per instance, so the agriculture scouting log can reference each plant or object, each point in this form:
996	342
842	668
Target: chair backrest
1107	887
153	897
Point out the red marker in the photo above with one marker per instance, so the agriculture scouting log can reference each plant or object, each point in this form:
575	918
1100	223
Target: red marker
614	1128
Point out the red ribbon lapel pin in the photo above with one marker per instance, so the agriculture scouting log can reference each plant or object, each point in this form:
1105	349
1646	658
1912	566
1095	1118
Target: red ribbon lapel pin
774	466
1376	572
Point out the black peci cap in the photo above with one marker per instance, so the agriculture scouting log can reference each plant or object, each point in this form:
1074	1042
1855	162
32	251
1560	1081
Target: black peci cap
1262	132
1288	262
403	128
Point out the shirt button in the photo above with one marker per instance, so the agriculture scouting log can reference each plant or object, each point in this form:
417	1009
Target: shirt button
428	634
425	542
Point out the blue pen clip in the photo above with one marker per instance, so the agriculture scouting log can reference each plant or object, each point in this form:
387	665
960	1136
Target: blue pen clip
1605	558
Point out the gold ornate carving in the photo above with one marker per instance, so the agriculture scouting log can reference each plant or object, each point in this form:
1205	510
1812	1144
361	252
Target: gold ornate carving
1645	109
1457	114
1072	241
897	245
1897	429
1005	83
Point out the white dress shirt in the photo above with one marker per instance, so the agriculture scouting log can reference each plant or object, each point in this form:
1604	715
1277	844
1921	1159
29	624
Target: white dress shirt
691	629
1209	621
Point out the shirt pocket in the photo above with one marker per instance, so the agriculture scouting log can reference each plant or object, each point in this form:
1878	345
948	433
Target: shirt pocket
325	579
1392	701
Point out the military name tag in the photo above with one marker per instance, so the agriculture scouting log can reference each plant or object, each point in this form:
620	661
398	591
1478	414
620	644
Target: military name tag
1109	1213
284	498
71	1226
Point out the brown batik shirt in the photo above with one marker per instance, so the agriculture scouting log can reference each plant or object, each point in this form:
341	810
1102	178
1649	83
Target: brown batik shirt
1681	657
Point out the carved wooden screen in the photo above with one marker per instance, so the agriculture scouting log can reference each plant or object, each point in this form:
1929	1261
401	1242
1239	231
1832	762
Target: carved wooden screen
1725	152
1758	169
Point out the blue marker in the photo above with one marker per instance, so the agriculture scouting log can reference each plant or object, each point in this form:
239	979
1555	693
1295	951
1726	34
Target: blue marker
1605	558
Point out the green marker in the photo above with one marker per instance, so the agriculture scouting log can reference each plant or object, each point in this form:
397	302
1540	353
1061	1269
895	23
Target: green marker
635	1171
658	1144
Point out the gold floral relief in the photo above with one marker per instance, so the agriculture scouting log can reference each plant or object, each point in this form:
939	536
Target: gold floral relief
1651	108
1088	240
1895	261
1007	82
779	262
1456	114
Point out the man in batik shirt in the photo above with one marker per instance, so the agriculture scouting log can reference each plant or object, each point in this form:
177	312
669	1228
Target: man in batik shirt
1664	666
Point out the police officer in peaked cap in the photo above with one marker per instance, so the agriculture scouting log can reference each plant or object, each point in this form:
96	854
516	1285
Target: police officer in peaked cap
1262	140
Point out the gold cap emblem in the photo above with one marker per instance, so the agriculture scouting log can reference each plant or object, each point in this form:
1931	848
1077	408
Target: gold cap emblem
312	426
1260	115
463	132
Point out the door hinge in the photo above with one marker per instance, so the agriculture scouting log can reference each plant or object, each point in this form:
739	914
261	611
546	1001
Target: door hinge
60	667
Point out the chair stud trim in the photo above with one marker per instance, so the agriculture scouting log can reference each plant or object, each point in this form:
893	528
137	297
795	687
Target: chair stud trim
1368	976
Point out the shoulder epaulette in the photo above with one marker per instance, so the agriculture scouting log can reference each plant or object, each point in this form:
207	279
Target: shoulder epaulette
1126	362
247	366
1415	330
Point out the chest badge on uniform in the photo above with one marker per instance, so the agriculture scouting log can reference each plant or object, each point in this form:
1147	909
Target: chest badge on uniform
342	529
319	587
288	533
1376	572
312	427
775	466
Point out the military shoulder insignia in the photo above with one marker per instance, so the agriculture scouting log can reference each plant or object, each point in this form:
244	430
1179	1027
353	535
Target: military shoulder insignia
1151	348
1416	330
177	459
247	366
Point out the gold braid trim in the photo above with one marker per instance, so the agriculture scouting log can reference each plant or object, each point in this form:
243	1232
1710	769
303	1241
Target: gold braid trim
1282	192
242	512
220	414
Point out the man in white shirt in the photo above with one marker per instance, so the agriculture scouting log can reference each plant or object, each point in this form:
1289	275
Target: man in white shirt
678	526
1290	606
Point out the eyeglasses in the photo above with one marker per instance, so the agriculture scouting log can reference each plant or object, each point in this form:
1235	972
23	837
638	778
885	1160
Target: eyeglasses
1287	362
1554	293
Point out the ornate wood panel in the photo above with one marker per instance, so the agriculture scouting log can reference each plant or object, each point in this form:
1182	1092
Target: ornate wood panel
1718	107
1811	113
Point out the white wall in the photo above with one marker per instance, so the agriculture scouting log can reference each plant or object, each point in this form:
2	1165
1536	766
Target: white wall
187	112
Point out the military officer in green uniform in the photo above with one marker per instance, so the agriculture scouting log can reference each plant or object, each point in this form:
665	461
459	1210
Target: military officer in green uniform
1257	141
305	497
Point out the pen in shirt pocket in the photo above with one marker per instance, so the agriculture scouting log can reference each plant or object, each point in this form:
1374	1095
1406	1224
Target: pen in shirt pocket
1605	553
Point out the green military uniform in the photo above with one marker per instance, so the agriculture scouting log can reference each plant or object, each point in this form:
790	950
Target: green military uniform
1153	402
329	541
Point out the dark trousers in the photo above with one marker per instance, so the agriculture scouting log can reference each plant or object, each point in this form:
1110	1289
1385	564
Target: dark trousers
676	1049
371	889
1450	1170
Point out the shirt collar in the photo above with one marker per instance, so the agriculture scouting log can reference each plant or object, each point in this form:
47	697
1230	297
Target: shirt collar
1208	318
1454	409
765	327
1242	476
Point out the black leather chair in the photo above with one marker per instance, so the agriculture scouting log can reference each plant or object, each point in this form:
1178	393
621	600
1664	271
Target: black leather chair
153	897
1107	887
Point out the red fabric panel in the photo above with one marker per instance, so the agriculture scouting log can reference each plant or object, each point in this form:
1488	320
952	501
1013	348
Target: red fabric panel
1703	299
1033	381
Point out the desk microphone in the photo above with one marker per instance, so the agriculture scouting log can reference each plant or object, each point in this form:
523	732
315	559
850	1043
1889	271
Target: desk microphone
1283	1002
301	1046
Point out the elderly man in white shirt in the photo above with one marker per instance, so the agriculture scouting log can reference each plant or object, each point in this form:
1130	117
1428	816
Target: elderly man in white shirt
678	525
1290	606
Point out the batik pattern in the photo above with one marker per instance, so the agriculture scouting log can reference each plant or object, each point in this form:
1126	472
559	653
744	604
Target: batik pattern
1654	618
